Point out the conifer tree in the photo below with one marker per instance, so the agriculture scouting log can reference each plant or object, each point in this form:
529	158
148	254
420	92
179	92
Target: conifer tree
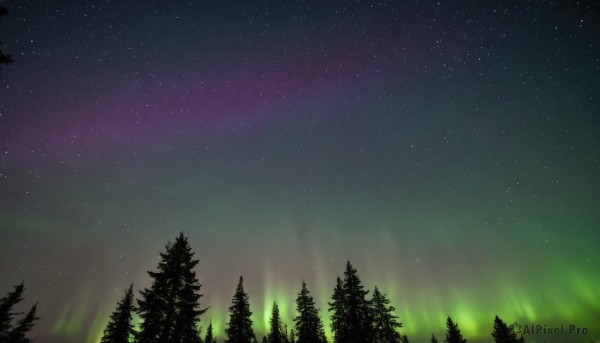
359	319
353	323
503	334
275	335
239	329
453	334
120	328
433	339
6	305
385	322
309	328
19	333
403	339
170	308
15	332
209	338
338	308
284	333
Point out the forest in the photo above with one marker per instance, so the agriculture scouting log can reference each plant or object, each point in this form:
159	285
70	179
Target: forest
170	312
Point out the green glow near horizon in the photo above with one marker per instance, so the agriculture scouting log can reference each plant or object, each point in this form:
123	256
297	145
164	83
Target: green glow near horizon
421	314
421	310
71	321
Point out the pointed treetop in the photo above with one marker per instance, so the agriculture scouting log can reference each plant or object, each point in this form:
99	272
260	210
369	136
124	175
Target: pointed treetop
17	332
239	328
453	334
120	327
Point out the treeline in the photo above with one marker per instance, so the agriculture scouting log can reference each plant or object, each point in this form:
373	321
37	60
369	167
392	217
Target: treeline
170	312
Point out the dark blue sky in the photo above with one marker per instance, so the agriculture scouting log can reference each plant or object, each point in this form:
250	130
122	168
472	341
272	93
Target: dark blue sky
450	150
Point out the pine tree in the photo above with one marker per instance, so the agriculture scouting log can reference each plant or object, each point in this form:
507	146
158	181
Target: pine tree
433	339
385	322
339	313
453	334
309	328
284	333
503	334
120	328
209	338
403	339
17	333
239	329
170	309
6	305
351	321
293	336
275	332
359	319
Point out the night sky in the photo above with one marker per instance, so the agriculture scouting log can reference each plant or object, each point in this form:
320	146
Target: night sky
449	149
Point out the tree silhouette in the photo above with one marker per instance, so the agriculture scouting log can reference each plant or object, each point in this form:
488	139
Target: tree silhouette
170	309
433	339
239	329
385	322
403	339
284	333
338	308
453	334
309	328
209	338
15	332
4	58
120	328
503	334
351	320
275	335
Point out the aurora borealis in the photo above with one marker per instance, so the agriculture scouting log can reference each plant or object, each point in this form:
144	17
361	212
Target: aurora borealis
449	150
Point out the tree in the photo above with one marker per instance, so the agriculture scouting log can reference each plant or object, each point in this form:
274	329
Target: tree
275	335
19	333
403	339
433	339
209	338
338	308
351	321
170	309
503	334
15	332
453	334
309	328
4	58
239	329
385	322
284	333
120	328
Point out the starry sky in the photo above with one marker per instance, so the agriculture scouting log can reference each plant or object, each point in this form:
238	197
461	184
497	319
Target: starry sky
449	149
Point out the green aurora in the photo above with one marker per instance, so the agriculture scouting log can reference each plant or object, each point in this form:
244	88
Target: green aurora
449	150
